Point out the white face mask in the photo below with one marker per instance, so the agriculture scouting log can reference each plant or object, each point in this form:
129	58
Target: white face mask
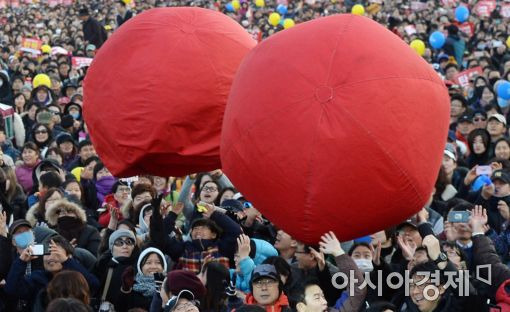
364	265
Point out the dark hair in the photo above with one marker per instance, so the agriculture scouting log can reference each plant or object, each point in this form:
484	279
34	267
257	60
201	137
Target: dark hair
356	245
218	279
69	284
282	267
492	106
210	224
50	179
501	140
199	178
441	183
429	267
486	138
116	186
90	160
55	150
196	195
452	245
449	65
380	306
48	130
73	180
98	167
84	143
250	308
463	206
300	293
64	243
42	202
217	201
68	305
460	98
32	146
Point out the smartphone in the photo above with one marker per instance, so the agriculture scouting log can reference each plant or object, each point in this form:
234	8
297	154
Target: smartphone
159	278
487	170
459	216
39	250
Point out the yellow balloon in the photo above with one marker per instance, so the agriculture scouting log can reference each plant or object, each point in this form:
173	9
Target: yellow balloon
236	4
418	46
46	49
358	9
260	3
288	23
274	18
508	42
41	80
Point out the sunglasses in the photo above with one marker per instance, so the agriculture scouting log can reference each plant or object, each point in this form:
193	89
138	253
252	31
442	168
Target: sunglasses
121	242
479	119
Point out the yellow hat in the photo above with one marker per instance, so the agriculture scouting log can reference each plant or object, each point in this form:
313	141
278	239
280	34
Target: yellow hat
46	49
41	80
77	173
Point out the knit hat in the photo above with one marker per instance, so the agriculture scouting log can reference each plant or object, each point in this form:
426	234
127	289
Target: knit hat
178	280
64	137
66	121
118	234
145	254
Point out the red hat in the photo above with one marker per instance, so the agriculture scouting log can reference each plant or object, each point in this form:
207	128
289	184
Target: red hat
178	280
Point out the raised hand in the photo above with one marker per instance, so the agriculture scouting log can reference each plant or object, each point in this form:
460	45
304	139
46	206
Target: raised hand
504	209
478	219
58	252
376	253
243	246
408	247
3	224
319	257
330	245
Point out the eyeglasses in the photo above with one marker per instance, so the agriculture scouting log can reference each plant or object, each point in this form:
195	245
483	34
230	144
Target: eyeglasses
40	132
121	242
123	189
265	282
209	189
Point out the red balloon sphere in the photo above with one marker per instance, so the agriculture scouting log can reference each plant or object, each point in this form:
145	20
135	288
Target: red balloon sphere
155	94
335	124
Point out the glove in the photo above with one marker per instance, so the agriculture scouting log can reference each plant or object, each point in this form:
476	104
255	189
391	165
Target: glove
128	278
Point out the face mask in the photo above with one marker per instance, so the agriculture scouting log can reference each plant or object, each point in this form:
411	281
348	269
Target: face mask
23	240
75	115
364	265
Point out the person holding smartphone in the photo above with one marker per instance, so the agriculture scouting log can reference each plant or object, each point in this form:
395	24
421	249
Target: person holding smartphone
138	287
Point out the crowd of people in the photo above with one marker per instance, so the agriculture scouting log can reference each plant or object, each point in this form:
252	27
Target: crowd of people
75	238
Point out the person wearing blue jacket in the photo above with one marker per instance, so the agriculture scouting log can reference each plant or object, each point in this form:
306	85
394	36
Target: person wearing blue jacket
59	258
250	253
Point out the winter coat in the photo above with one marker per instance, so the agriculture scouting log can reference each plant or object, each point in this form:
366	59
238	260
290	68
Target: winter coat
94	32
27	287
118	265
495	219
24	176
281	304
87	237
6	96
190	255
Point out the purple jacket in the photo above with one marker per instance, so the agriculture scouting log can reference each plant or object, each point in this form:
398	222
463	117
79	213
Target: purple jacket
24	176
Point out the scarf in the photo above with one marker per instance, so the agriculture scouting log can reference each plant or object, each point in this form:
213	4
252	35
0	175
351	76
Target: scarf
146	285
104	187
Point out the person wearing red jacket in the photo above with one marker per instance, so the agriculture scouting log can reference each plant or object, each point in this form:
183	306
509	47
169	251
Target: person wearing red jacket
267	290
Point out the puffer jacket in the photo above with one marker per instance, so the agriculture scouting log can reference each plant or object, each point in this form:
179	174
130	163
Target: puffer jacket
87	236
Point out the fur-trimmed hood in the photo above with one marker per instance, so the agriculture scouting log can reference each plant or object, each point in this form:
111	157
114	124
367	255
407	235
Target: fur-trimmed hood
52	216
31	215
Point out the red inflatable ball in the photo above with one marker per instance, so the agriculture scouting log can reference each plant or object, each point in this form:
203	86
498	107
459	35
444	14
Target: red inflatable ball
155	94
335	124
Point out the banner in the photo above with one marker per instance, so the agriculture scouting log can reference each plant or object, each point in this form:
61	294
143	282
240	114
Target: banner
505	10
79	62
466	28
31	45
484	8
463	77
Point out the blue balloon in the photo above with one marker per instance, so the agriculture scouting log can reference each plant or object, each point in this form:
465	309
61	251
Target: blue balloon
502	103
503	90
480	182
461	13
281	9
437	40
230	7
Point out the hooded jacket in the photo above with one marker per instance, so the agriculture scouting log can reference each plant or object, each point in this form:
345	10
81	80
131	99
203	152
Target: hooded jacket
87	237
6	96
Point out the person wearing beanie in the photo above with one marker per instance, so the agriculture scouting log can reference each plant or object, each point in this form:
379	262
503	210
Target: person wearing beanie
122	253
179	287
141	194
267	289
214	236
138	287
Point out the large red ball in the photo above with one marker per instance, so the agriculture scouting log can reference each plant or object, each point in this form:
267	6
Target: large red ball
156	92
335	124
